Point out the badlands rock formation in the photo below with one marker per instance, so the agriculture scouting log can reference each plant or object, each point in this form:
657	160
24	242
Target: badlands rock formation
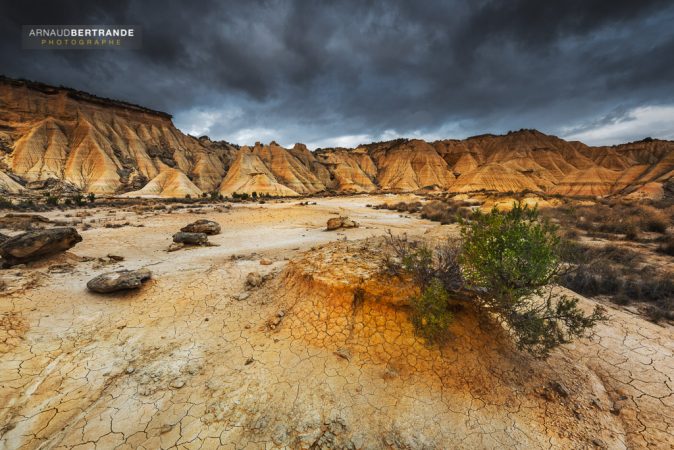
112	147
101	145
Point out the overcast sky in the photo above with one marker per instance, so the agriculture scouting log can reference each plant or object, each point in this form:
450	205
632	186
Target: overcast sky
350	72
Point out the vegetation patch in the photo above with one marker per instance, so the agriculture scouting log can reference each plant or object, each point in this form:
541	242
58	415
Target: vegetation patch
505	265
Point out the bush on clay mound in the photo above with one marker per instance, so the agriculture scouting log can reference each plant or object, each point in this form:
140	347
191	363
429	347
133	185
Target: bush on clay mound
437	273
506	265
511	260
430	313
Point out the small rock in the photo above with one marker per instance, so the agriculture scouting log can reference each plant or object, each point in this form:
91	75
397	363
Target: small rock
253	280
120	280
165	428
560	388
190	238
599	443
130	370
175	246
280	313
266	262
249	361
177	383
115	257
618	405
202	226
242	296
336	223
23	221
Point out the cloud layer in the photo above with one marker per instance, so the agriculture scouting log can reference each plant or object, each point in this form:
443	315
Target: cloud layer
340	73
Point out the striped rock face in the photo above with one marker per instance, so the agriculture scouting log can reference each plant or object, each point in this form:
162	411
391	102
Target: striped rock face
111	147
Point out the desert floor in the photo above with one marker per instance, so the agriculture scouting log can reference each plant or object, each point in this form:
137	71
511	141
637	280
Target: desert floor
195	360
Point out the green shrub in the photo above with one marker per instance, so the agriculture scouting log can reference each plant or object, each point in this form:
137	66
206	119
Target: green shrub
425	263
6	204
78	199
437	272
511	259
430	313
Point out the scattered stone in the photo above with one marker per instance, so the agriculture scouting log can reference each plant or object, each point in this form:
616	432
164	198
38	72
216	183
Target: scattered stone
115	257
202	226
23	221
175	246
130	370
117	281
599	443
618	405
242	296
61	268
177	383
266	262
249	361
560	388
190	238
253	280
335	223
33	245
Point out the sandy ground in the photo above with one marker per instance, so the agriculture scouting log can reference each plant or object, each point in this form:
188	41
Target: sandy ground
188	361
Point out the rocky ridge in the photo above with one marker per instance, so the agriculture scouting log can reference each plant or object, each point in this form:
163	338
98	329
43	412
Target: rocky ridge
110	147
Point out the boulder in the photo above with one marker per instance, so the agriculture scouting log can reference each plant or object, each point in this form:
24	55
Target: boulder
336	223
118	281
202	226
190	238
36	244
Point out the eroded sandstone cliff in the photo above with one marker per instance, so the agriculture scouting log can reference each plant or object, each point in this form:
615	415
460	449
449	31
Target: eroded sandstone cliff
100	145
113	147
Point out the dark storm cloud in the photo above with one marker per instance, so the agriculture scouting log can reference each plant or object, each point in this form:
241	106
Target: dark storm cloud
339	72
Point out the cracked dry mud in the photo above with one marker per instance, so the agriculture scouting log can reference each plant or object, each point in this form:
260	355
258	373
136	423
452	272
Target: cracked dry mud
301	362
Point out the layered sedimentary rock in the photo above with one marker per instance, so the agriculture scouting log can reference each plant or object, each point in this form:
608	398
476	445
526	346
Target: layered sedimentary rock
99	145
168	183
249	174
112	147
